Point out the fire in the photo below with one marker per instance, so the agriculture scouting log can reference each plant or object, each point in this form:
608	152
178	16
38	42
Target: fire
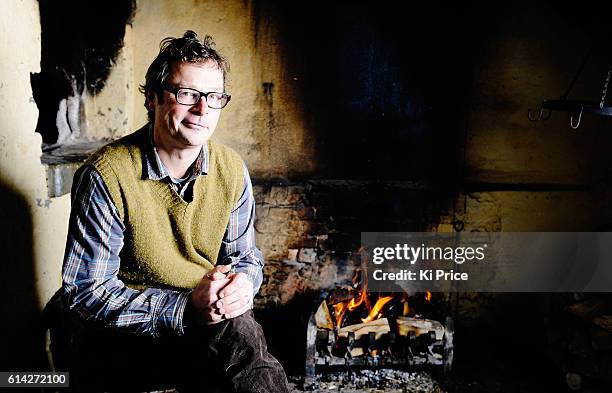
360	302
339	310
363	297
360	299
375	312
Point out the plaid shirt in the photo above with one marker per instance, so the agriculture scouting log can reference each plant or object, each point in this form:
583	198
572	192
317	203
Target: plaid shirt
95	238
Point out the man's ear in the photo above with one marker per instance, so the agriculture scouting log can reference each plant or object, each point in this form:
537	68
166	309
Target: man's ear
150	102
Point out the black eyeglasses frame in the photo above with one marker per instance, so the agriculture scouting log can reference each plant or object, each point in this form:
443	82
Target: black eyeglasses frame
175	91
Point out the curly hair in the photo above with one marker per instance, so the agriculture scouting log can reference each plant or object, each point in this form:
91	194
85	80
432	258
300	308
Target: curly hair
188	48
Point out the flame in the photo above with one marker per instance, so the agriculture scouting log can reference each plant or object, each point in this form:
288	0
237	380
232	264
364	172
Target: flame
375	312
360	299
339	310
363	297
406	309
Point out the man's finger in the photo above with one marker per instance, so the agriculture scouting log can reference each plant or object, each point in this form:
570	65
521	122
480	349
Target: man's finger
229	300
212	316
237	281
238	312
216	276
238	304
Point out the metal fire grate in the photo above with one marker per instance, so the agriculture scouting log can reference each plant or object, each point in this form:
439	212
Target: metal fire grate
398	342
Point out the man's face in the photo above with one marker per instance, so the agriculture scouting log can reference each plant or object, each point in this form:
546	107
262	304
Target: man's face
180	126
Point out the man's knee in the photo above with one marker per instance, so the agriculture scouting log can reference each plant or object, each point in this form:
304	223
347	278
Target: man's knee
245	325
237	350
236	336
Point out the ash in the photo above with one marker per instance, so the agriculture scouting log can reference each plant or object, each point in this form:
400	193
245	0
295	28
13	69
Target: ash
386	380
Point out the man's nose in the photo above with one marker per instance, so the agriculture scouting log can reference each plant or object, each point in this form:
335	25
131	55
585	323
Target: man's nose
201	107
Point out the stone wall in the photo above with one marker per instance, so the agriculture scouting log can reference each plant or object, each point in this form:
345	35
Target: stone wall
310	232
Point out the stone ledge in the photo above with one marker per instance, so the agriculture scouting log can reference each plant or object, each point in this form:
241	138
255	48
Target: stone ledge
61	162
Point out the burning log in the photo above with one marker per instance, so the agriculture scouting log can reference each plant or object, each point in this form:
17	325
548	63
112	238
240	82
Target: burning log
378	327
368	333
323	318
405	325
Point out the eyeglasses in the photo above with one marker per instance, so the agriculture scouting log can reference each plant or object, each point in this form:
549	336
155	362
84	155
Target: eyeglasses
186	96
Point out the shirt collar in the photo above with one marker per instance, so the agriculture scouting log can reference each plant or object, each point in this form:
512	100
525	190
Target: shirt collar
155	169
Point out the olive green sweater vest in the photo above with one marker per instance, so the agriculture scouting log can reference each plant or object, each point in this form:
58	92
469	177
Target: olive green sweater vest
167	241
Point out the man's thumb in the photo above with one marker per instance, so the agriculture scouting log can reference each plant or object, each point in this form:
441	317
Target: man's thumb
219	272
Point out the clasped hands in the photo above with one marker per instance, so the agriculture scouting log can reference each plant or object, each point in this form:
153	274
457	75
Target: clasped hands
221	295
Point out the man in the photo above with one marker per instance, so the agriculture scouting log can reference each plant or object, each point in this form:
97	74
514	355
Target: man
160	264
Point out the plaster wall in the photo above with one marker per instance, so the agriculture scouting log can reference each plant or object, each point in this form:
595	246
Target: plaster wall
32	227
110	113
264	124
546	211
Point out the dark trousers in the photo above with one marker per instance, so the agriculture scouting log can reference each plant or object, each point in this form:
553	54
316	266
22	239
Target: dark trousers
230	356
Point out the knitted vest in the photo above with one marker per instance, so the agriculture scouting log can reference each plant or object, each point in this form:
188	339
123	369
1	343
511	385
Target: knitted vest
167	241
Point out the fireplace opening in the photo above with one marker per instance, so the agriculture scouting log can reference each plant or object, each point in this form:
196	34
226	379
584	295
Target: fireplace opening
500	341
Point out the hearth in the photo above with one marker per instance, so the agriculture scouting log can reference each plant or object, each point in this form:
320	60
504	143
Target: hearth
377	340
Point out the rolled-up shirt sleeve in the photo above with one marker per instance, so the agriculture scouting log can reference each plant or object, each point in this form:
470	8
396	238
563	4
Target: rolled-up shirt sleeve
238	246
91	288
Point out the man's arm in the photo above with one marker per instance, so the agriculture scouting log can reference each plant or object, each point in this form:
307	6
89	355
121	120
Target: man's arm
91	263
238	250
238	246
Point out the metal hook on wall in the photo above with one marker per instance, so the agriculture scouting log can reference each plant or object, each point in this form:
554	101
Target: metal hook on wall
575	126
575	108
540	116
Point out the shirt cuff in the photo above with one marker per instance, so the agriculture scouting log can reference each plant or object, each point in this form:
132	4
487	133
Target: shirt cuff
172	310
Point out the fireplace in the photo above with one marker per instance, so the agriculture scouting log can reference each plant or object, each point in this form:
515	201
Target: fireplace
353	331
